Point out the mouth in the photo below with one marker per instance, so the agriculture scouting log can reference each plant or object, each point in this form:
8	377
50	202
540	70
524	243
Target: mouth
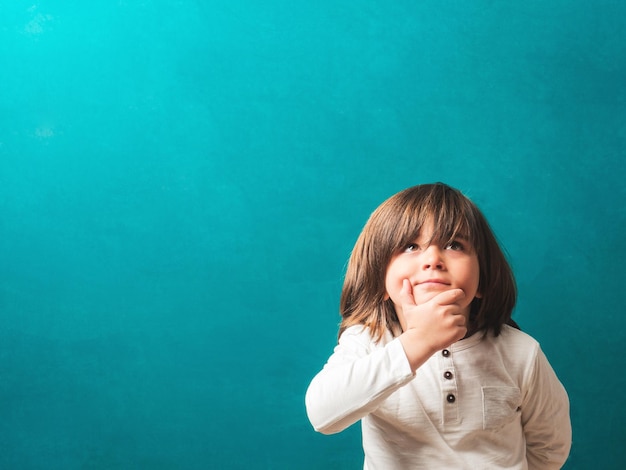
433	282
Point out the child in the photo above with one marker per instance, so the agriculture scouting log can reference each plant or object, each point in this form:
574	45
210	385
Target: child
428	357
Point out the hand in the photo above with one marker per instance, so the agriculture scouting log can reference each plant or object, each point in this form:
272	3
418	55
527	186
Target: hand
433	325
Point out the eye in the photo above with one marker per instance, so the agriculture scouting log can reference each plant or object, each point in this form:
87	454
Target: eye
455	245
411	247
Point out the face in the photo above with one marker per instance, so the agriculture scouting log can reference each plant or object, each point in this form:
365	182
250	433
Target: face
432	269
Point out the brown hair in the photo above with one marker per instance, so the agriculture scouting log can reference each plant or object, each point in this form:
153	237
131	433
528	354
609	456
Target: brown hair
397	222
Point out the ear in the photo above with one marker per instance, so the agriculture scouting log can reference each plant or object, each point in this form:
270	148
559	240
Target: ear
478	295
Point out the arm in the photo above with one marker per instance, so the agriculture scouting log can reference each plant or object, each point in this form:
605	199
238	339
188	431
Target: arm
356	379
545	418
359	376
431	326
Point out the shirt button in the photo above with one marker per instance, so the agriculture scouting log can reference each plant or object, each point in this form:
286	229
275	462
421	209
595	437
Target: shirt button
451	398
447	375
445	353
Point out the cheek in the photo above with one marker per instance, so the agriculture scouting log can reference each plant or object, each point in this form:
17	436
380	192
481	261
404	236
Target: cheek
388	286
393	278
393	283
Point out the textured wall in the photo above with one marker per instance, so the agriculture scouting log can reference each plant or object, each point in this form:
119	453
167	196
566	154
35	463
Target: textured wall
181	183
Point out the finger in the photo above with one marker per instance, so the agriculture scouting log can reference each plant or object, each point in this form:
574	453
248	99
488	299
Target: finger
449	297
406	293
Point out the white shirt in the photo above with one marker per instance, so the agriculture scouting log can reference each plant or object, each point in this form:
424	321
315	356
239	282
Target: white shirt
489	403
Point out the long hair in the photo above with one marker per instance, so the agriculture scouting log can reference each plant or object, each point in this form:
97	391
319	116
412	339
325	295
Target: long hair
397	222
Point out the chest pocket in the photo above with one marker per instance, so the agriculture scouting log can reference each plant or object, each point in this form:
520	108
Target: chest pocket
501	406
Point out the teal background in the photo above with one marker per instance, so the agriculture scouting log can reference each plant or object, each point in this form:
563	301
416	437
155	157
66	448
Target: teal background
181	184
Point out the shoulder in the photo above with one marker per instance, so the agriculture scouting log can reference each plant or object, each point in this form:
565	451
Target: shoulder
515	348
513	337
361	334
356	342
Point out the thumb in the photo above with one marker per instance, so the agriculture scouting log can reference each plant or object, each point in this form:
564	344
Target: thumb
406	293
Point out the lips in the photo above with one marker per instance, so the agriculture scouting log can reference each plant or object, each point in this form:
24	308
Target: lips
433	282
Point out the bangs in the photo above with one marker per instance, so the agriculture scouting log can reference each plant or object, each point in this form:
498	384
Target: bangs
452	215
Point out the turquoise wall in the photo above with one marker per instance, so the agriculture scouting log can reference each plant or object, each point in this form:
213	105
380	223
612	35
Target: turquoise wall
181	183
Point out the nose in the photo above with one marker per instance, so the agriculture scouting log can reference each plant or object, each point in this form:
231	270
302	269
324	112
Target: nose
432	258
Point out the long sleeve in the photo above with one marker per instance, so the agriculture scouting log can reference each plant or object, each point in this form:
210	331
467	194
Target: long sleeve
546	419
357	377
